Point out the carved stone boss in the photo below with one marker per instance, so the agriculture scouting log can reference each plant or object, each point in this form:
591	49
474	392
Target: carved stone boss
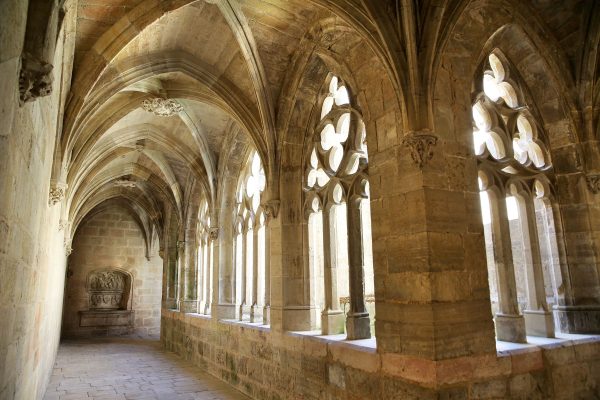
162	107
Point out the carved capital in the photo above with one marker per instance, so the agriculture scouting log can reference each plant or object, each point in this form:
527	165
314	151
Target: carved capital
593	183
35	78
271	208
162	107
57	193
213	233
421	146
68	247
180	244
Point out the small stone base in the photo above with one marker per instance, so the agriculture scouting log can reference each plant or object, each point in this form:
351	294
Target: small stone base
266	315
170	304
244	312
188	306
332	322
256	313
510	328
223	311
358	326
578	319
539	323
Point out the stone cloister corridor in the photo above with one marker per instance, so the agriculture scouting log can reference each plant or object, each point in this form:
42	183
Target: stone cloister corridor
300	199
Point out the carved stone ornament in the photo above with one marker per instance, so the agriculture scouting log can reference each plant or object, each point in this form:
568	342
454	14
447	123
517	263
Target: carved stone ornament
162	107
62	224
421	147
35	79
181	244
593	183
126	183
108	290
57	193
68	247
213	233
271	208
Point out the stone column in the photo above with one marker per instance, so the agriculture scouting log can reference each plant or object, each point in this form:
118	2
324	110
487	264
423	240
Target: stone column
208	265
242	298
180	275
267	277
510	325
538	320
254	312
332	317
189	303
357	320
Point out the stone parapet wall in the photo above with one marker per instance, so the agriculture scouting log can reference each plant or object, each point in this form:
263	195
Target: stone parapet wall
272	365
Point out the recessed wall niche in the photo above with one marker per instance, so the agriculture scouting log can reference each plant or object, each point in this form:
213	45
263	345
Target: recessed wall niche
109	293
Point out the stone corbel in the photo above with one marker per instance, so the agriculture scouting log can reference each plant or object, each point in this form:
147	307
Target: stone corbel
62	224
421	145
68	247
35	78
213	233
593	183
57	192
271	208
44	21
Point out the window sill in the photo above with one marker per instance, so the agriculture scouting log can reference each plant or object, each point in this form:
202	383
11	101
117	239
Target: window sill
200	316
535	342
367	345
247	324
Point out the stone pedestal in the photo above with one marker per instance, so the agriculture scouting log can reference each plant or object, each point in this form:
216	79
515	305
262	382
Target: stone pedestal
188	306
256	313
358	326
539	323
578	319
510	328
170	304
332	322
244	312
223	311
106	318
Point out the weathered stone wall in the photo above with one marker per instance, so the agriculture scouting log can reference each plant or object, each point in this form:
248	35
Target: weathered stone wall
271	365
32	255
111	239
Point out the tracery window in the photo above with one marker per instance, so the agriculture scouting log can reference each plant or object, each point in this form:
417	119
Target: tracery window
250	242
516	204
339	223
204	259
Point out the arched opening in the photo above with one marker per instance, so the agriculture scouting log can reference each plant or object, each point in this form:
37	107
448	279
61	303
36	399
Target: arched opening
512	157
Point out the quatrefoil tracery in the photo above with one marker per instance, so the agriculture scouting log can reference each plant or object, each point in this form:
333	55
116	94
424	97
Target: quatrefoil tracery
340	141
251	186
502	127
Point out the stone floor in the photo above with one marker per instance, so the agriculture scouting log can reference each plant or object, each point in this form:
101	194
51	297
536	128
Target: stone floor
127	368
